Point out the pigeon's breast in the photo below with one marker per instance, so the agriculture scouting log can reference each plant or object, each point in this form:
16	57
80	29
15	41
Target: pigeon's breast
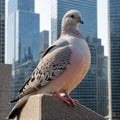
80	62
75	71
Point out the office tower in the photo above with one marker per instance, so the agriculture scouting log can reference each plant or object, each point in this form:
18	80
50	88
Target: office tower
102	82
5	87
104	85
60	7
23	31
114	59
21	72
88	92
2	31
23	38
44	40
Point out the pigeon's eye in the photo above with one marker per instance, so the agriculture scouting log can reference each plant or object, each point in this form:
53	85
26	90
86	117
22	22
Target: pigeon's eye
72	16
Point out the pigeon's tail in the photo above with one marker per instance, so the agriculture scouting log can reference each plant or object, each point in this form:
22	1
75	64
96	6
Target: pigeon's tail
19	96
14	100
14	113
18	107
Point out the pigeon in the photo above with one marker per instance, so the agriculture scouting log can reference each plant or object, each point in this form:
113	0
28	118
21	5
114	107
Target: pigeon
62	66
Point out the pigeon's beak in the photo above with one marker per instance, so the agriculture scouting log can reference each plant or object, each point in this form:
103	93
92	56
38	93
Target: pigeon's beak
80	20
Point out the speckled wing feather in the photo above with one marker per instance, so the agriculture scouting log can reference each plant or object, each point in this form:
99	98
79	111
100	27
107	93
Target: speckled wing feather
50	66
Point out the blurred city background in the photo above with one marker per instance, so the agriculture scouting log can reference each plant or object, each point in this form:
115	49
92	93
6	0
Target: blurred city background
28	27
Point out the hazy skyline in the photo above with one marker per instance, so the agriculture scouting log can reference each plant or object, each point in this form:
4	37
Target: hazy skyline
43	7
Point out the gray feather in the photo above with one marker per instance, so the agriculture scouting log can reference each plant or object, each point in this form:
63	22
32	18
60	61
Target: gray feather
50	66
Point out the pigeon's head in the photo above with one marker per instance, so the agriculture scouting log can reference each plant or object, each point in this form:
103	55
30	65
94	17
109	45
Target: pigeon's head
72	17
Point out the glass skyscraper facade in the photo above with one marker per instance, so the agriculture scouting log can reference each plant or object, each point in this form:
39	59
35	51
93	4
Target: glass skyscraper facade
21	72
23	31
23	41
2	31
88	10
114	57
89	91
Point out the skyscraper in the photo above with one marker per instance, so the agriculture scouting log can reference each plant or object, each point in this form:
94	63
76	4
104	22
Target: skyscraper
23	41
21	72
44	40
114	58
23	31
88	92
2	31
102	80
60	7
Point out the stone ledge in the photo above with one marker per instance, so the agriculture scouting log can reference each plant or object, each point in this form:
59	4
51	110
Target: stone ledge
47	107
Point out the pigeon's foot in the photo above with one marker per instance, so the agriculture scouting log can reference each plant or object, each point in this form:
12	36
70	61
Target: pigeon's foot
72	101
67	99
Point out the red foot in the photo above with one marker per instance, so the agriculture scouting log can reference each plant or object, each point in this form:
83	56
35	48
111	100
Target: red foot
67	99
72	101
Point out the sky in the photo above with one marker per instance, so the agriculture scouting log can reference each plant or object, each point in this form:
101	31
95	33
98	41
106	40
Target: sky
43	7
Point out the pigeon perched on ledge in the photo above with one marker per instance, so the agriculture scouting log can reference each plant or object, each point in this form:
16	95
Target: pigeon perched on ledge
62	66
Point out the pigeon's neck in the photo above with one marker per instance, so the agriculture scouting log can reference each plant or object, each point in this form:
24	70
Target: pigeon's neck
72	31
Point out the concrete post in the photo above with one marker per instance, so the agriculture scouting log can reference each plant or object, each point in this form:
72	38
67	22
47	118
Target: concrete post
47	107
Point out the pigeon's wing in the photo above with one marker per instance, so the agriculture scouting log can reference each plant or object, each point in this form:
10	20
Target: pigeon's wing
50	66
47	50
35	71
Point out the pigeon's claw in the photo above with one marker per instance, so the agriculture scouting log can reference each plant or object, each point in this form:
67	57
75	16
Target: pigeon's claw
67	99
72	101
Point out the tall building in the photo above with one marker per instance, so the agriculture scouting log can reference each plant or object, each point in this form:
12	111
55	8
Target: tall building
44	40
21	72
5	87
88	92
60	7
23	41
102	82
23	31
114	59
2	31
